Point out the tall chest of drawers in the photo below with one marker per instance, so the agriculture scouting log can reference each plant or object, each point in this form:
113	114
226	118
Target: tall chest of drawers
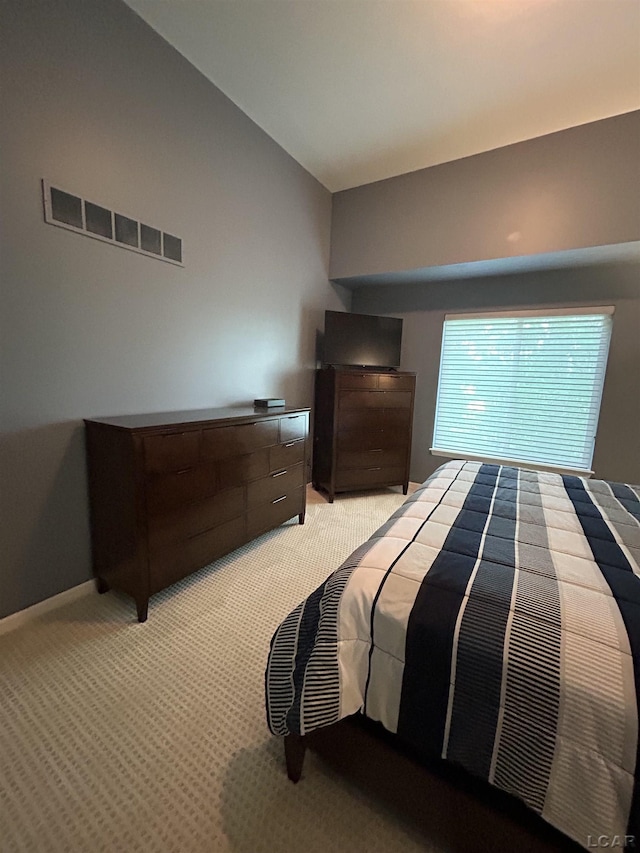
362	429
171	492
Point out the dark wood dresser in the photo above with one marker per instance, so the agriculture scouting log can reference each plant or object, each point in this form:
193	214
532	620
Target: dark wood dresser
173	491
362	429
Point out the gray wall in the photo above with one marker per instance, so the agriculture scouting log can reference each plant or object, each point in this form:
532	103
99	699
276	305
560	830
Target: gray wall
103	107
97	103
423	307
568	190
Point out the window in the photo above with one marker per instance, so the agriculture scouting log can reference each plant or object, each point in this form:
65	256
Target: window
522	387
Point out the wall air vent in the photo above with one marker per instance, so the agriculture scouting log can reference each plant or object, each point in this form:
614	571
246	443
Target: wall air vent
85	217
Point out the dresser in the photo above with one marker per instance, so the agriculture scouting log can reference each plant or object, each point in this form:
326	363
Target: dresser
171	492
362	429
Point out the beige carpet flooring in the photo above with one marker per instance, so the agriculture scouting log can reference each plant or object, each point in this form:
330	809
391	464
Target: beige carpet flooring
116	736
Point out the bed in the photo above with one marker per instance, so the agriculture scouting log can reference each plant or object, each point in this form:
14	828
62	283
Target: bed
493	621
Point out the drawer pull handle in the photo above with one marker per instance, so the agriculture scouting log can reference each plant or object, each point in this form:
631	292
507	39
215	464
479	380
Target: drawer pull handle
377	450
279	473
277	500
183	470
373	469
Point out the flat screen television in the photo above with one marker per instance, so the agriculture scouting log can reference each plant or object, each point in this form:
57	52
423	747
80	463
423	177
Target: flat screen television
362	340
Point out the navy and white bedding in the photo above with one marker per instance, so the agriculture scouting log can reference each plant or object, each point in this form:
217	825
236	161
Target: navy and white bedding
494	621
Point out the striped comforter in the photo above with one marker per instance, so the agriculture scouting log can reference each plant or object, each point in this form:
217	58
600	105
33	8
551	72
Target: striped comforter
494	620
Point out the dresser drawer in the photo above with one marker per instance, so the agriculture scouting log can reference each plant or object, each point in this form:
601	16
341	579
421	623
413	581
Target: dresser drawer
353	440
224	442
367	420
164	492
266	516
194	518
385	458
391	382
216	542
175	562
355	478
357	380
171	451
292	427
274	486
285	455
242	469
375	399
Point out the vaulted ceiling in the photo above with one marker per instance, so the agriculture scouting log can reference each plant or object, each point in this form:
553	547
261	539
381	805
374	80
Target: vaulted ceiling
360	90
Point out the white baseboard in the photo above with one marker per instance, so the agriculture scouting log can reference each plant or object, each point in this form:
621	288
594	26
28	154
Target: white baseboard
15	620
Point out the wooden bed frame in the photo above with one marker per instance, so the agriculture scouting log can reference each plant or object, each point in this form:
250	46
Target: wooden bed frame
295	747
453	810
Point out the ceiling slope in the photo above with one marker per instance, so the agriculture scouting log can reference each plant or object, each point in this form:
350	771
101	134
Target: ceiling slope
361	90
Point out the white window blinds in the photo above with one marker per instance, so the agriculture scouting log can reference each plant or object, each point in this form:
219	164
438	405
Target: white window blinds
523	387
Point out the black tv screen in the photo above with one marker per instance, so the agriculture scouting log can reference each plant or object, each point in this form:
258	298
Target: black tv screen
362	340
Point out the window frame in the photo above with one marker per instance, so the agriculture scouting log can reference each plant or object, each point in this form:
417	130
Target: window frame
515	314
